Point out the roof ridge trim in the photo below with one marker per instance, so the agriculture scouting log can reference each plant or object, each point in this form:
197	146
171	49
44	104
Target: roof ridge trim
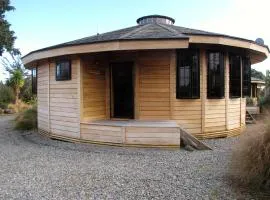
133	31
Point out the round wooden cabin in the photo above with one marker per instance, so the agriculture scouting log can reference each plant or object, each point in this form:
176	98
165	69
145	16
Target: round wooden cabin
142	85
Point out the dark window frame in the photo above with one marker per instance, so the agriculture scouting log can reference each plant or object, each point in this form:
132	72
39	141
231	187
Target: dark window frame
235	75
246	77
210	83
194	75
34	80
67	75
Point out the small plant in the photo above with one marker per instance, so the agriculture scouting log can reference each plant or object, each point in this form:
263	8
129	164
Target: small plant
27	119
249	101
251	157
6	96
19	107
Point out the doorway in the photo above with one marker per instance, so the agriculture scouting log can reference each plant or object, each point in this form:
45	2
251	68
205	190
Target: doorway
122	95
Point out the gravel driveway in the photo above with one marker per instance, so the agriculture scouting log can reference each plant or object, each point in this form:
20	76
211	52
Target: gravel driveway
34	167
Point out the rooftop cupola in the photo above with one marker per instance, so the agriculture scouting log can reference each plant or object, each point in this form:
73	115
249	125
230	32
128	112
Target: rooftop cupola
158	19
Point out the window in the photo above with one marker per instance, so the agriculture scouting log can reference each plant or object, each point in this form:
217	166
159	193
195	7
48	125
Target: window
188	74
63	70
34	80
215	75
235	76
246	72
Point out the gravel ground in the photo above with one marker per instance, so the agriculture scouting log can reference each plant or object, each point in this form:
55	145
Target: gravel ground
34	167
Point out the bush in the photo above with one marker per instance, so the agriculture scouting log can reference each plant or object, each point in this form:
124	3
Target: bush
249	101
27	119
251	157
6	96
19	107
26	91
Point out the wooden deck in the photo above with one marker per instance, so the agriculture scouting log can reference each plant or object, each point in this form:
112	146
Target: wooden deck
253	110
132	132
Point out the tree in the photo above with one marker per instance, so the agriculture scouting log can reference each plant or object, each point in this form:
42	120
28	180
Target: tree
17	74
267	78
257	74
7	37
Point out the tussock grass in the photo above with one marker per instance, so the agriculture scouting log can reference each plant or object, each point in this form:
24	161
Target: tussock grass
27	119
20	106
251	156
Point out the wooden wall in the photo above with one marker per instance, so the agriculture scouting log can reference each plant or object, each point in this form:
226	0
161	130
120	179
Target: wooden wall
43	96
65	103
234	118
243	111
154	85
94	88
203	117
187	112
102	133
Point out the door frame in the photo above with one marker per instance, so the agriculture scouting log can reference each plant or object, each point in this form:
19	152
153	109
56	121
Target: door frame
132	65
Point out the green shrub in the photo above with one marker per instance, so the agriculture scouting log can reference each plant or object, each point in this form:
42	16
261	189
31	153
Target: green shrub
251	156
6	96
249	101
26	94
27	119
3	105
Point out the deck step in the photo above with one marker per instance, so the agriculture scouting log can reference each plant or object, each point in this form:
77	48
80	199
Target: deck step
249	118
189	140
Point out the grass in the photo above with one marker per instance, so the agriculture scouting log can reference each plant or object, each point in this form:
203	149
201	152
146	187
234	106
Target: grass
251	156
27	119
19	107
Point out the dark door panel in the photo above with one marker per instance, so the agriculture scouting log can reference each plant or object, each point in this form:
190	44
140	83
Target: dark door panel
122	86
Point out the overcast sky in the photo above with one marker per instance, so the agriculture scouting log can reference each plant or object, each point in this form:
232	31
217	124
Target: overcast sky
41	23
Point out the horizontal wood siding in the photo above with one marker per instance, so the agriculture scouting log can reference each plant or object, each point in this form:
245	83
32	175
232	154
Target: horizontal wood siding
152	136
131	135
243	111
215	118
94	89
154	85
234	113
99	133
187	112
43	97
65	103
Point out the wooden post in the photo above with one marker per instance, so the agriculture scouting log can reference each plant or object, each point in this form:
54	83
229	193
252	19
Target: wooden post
172	81
227	89
49	114
108	91
241	89
137	88
203	91
80	90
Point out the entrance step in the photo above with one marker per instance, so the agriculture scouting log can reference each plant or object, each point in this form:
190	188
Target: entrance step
189	141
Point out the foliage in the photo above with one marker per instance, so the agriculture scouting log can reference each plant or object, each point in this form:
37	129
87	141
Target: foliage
267	78
251	156
7	37
20	106
27	120
257	74
26	91
265	102
6	96
249	101
17	74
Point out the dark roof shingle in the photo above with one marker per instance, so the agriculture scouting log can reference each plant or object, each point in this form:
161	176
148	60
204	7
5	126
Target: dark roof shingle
141	32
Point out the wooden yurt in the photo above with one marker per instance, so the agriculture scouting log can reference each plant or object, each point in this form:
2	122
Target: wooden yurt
143	85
